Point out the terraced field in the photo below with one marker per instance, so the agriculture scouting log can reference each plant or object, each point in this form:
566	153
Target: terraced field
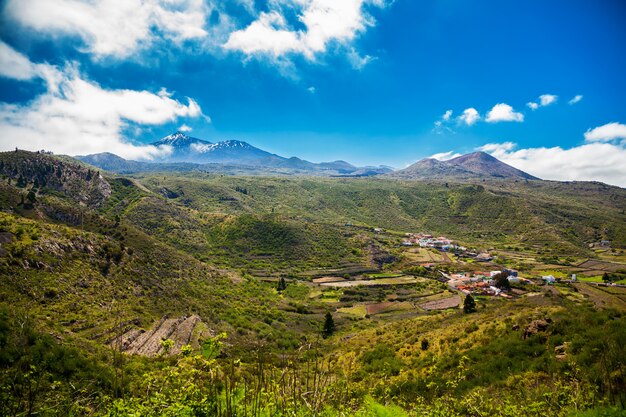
180	330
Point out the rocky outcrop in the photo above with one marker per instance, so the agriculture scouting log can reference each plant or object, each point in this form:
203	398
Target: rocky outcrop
536	326
45	172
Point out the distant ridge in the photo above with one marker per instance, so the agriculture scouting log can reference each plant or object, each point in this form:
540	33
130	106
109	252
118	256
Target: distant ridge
470	166
186	153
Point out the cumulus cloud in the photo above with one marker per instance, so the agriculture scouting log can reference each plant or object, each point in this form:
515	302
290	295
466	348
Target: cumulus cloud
590	162
575	99
606	133
469	116
77	116
444	156
115	28
532	105
547	99
324	22
544	100
185	128
502	112
446	116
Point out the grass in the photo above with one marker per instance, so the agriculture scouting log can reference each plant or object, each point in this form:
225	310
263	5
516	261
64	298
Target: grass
595	278
358	310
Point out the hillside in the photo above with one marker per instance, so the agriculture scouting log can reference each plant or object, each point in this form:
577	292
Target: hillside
477	165
561	214
216	289
42	171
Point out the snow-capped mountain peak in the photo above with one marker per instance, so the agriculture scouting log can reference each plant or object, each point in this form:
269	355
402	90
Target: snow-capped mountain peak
180	140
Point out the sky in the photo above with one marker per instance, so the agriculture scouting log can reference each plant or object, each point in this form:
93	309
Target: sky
539	85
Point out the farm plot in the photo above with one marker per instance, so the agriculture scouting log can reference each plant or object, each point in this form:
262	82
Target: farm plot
442	304
423	255
371	282
600	298
604	266
324	280
387	307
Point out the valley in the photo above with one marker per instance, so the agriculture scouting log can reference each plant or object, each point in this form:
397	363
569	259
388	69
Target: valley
198	293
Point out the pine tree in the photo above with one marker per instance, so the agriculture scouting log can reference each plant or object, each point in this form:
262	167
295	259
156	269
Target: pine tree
469	305
21	182
329	325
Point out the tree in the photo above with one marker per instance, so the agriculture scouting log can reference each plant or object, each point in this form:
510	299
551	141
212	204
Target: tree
21	182
469	305
502	281
282	285
329	325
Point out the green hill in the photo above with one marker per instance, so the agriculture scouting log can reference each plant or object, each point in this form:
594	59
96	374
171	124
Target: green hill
115	293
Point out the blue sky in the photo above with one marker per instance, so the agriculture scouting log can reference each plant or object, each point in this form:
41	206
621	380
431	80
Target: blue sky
368	81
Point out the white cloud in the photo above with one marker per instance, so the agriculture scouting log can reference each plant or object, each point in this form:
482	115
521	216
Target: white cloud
469	116
113	27
77	116
324	21
575	99
15	65
444	156
18	67
357	61
544	100
547	99
502	112
185	128
267	35
606	133
441	125
532	105
311	90
590	162
497	148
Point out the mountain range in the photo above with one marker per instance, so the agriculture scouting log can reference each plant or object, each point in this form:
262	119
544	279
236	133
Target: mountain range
186	153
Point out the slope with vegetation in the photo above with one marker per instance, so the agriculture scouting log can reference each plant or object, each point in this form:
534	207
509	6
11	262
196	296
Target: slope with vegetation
180	294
